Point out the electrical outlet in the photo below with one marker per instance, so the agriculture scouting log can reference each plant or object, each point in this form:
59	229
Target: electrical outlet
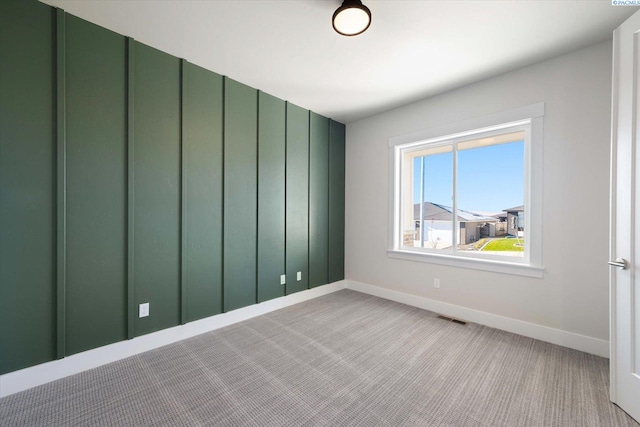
299	276
283	279
436	283
144	310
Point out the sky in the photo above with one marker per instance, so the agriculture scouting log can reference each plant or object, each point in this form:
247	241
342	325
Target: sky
490	179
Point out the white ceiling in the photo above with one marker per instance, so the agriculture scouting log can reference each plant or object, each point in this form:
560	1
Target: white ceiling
413	49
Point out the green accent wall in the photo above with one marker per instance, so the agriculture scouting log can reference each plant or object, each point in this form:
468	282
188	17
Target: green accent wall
297	211
336	201
130	176
318	200
27	185
157	188
271	196
240	194
202	150
96	190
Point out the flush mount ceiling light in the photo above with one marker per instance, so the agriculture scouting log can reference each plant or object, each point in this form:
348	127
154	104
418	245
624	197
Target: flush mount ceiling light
352	18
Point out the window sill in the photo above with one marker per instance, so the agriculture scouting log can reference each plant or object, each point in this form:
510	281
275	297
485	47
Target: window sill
493	266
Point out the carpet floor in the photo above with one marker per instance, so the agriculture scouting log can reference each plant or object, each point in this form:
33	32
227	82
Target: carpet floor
344	359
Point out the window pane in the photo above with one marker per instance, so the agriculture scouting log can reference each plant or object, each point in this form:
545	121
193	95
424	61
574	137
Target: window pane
491	195
432	192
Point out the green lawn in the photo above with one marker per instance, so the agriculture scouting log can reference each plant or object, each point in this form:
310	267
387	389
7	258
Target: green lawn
505	245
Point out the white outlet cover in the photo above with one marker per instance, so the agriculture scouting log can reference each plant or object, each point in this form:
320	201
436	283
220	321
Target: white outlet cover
144	310
283	279
299	276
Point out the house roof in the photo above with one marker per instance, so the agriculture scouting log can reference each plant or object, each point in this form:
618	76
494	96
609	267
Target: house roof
436	212
515	209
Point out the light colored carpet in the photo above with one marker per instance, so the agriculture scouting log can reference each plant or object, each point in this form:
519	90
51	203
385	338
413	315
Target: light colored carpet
345	359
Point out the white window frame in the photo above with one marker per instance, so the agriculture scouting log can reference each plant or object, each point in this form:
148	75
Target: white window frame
530	119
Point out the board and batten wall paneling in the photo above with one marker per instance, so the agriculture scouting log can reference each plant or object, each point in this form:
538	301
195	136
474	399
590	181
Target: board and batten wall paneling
202	151
336	201
240	194
157	188
318	200
27	185
131	176
297	191
271	196
96	186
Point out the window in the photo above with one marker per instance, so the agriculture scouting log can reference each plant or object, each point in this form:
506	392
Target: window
471	196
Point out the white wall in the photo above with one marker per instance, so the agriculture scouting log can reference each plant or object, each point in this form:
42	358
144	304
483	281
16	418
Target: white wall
573	295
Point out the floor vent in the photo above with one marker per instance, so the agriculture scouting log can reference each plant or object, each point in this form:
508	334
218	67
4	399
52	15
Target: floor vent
451	319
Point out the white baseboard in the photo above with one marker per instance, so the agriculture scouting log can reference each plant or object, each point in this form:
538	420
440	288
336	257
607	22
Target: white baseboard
543	333
24	379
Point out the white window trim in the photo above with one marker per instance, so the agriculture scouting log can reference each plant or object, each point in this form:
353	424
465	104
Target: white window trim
533	265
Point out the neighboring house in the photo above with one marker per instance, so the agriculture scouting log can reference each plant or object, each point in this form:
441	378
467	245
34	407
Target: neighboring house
502	216
515	220
438	225
501	225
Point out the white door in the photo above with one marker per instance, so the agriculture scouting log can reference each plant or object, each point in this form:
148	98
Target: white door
625	219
